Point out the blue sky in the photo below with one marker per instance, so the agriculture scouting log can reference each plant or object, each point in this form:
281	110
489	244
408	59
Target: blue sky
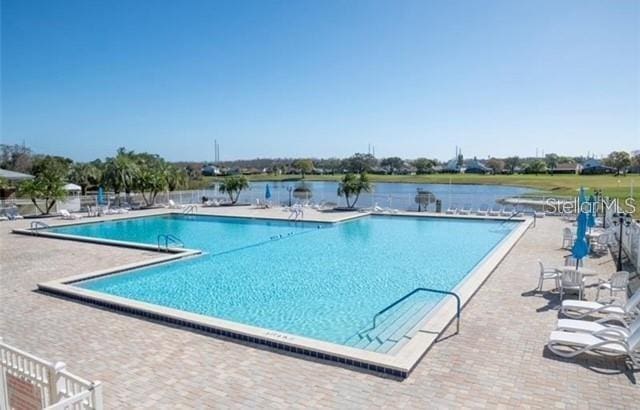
321	78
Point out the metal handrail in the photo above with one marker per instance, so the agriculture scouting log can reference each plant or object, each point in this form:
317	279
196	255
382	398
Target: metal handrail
405	297
191	209
535	218
169	238
35	225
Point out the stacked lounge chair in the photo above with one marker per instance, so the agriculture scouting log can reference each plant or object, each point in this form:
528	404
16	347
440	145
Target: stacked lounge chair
615	335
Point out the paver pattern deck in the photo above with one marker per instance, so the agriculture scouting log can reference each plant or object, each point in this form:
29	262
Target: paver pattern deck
497	360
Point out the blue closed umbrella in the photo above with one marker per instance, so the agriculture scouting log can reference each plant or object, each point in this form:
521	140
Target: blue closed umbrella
581	246
581	199
591	217
267	193
100	196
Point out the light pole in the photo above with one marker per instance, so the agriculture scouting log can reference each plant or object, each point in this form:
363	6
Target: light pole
622	219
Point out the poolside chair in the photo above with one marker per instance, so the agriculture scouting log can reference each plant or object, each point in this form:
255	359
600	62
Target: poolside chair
451	211
571	280
567	238
601	245
618	282
261	204
494	212
546	274
507	212
612	326
571	344
464	211
13	214
211	202
578	309
64	214
482	211
173	205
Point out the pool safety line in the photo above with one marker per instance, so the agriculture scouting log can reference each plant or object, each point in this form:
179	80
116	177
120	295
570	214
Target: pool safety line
270	240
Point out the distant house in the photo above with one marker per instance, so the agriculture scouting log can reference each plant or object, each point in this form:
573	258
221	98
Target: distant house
567	168
13	176
211	171
453	167
476	167
595	166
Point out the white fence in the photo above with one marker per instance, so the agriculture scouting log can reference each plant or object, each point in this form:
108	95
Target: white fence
57	388
281	196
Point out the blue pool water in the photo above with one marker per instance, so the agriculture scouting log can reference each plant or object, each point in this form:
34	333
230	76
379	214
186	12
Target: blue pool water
324	281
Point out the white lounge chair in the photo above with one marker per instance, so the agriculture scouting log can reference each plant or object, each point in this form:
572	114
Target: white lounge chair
64	214
571	344
617	283
613	327
451	211
464	211
601	245
546	274
571	280
173	205
506	212
494	212
262	204
13	214
482	211
578	309
211	202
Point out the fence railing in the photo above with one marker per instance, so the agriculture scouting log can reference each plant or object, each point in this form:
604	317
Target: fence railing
58	388
630	238
404	201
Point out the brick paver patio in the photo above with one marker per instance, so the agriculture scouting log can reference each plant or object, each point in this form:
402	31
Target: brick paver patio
497	360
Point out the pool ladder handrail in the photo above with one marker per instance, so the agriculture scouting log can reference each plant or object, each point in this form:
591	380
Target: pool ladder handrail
169	238
190	209
408	295
35	225
513	215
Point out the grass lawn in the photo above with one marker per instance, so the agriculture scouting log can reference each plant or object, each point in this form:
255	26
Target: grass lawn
560	185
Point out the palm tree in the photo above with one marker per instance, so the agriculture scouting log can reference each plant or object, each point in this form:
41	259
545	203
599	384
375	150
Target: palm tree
233	185
174	177
351	186
120	172
85	175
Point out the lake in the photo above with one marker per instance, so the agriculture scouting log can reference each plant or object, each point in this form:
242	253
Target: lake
392	195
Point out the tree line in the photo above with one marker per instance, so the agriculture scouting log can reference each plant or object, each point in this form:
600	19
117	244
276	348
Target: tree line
126	172
359	162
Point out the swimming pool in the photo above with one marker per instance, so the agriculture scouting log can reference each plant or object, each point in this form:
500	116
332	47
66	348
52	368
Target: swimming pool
319	280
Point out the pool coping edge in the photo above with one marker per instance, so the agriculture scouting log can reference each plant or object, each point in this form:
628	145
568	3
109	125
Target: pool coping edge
399	363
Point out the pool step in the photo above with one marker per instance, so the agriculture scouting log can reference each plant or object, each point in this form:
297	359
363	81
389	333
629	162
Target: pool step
367	335
394	330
